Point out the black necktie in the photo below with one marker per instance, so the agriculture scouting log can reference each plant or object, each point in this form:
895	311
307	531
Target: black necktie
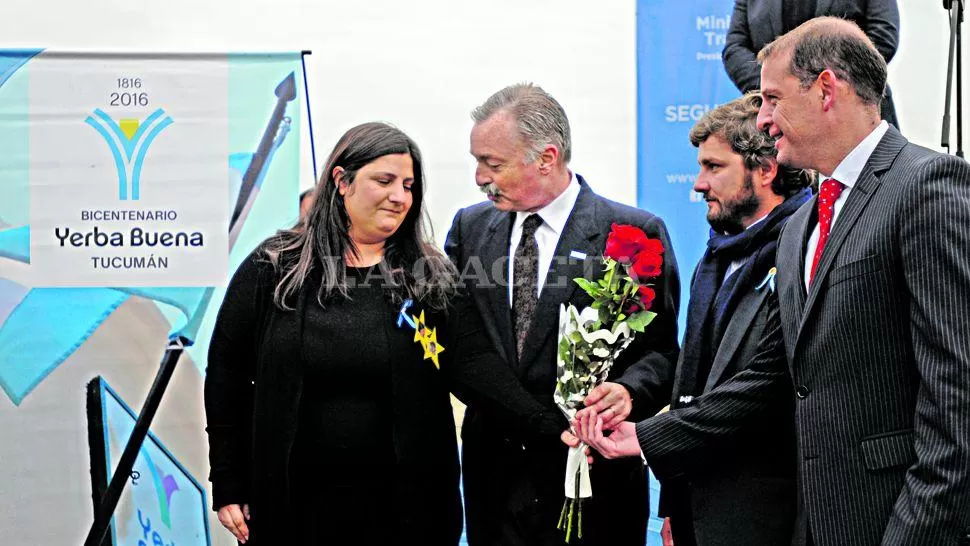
525	290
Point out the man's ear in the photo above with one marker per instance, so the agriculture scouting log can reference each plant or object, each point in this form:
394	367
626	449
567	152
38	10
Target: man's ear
828	84
548	158
766	172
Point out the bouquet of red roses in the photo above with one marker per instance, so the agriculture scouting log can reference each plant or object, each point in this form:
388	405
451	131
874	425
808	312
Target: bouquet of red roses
590	341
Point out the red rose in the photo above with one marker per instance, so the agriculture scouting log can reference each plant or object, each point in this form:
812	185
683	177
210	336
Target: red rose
646	297
653	246
646	265
624	243
631	307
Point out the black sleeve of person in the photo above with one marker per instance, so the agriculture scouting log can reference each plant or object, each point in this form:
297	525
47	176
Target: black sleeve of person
229	382
478	376
740	58
674	441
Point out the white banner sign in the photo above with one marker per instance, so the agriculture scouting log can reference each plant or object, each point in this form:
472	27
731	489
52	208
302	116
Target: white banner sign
128	172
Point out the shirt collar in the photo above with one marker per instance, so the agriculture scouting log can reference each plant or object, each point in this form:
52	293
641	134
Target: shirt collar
850	168
758	221
556	213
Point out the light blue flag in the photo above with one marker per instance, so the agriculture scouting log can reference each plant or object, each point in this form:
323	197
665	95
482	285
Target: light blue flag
44	326
15	244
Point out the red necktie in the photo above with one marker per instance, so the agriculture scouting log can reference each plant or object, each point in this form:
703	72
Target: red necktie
830	191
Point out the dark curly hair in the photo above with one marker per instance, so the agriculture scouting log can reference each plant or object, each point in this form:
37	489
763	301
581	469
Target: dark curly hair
736	123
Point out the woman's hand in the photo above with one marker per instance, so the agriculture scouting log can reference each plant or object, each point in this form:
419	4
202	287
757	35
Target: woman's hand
234	518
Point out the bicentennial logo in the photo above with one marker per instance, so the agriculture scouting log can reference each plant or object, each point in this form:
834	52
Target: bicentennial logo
129	140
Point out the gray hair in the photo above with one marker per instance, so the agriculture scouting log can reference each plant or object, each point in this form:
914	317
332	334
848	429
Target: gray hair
541	120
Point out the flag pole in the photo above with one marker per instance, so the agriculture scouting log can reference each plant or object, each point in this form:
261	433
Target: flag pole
109	501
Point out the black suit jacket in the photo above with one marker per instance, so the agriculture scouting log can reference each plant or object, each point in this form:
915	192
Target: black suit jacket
742	492
511	478
755	23
878	351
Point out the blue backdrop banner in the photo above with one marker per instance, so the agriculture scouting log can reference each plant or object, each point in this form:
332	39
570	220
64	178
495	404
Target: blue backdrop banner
680	77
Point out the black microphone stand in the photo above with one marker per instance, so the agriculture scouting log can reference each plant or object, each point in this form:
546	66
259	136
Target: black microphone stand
955	7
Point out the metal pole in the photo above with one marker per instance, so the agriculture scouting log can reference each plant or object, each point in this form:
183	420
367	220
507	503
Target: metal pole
959	69
109	501
956	16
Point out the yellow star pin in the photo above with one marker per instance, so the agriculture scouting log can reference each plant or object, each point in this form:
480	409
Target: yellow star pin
431	347
420	328
428	338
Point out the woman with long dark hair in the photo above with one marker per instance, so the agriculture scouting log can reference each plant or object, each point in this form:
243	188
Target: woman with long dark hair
329	369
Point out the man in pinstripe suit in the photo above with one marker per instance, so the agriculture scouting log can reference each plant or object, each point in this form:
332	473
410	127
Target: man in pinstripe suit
871	324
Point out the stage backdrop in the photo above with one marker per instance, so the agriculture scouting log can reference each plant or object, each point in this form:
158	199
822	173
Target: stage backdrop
680	76
131	186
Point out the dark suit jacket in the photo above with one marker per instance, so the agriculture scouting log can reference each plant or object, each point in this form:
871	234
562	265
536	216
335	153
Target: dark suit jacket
743	491
878	352
520	480
755	23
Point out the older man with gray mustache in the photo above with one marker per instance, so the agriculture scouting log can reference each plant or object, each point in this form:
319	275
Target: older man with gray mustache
546	223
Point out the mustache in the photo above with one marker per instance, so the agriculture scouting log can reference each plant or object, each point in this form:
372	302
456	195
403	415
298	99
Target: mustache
490	190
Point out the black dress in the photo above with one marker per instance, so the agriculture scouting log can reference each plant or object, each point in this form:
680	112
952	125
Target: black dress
331	424
343	462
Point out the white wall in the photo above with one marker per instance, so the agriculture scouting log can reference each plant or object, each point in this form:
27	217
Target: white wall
918	72
420	65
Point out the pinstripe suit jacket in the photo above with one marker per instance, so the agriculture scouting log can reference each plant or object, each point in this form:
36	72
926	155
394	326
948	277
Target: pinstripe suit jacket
878	351
741	494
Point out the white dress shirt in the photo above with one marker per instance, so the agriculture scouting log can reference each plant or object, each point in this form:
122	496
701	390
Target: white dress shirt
554	217
847	173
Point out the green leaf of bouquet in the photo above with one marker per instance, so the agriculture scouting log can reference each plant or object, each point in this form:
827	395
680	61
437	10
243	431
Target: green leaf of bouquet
589	286
639	321
564	351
